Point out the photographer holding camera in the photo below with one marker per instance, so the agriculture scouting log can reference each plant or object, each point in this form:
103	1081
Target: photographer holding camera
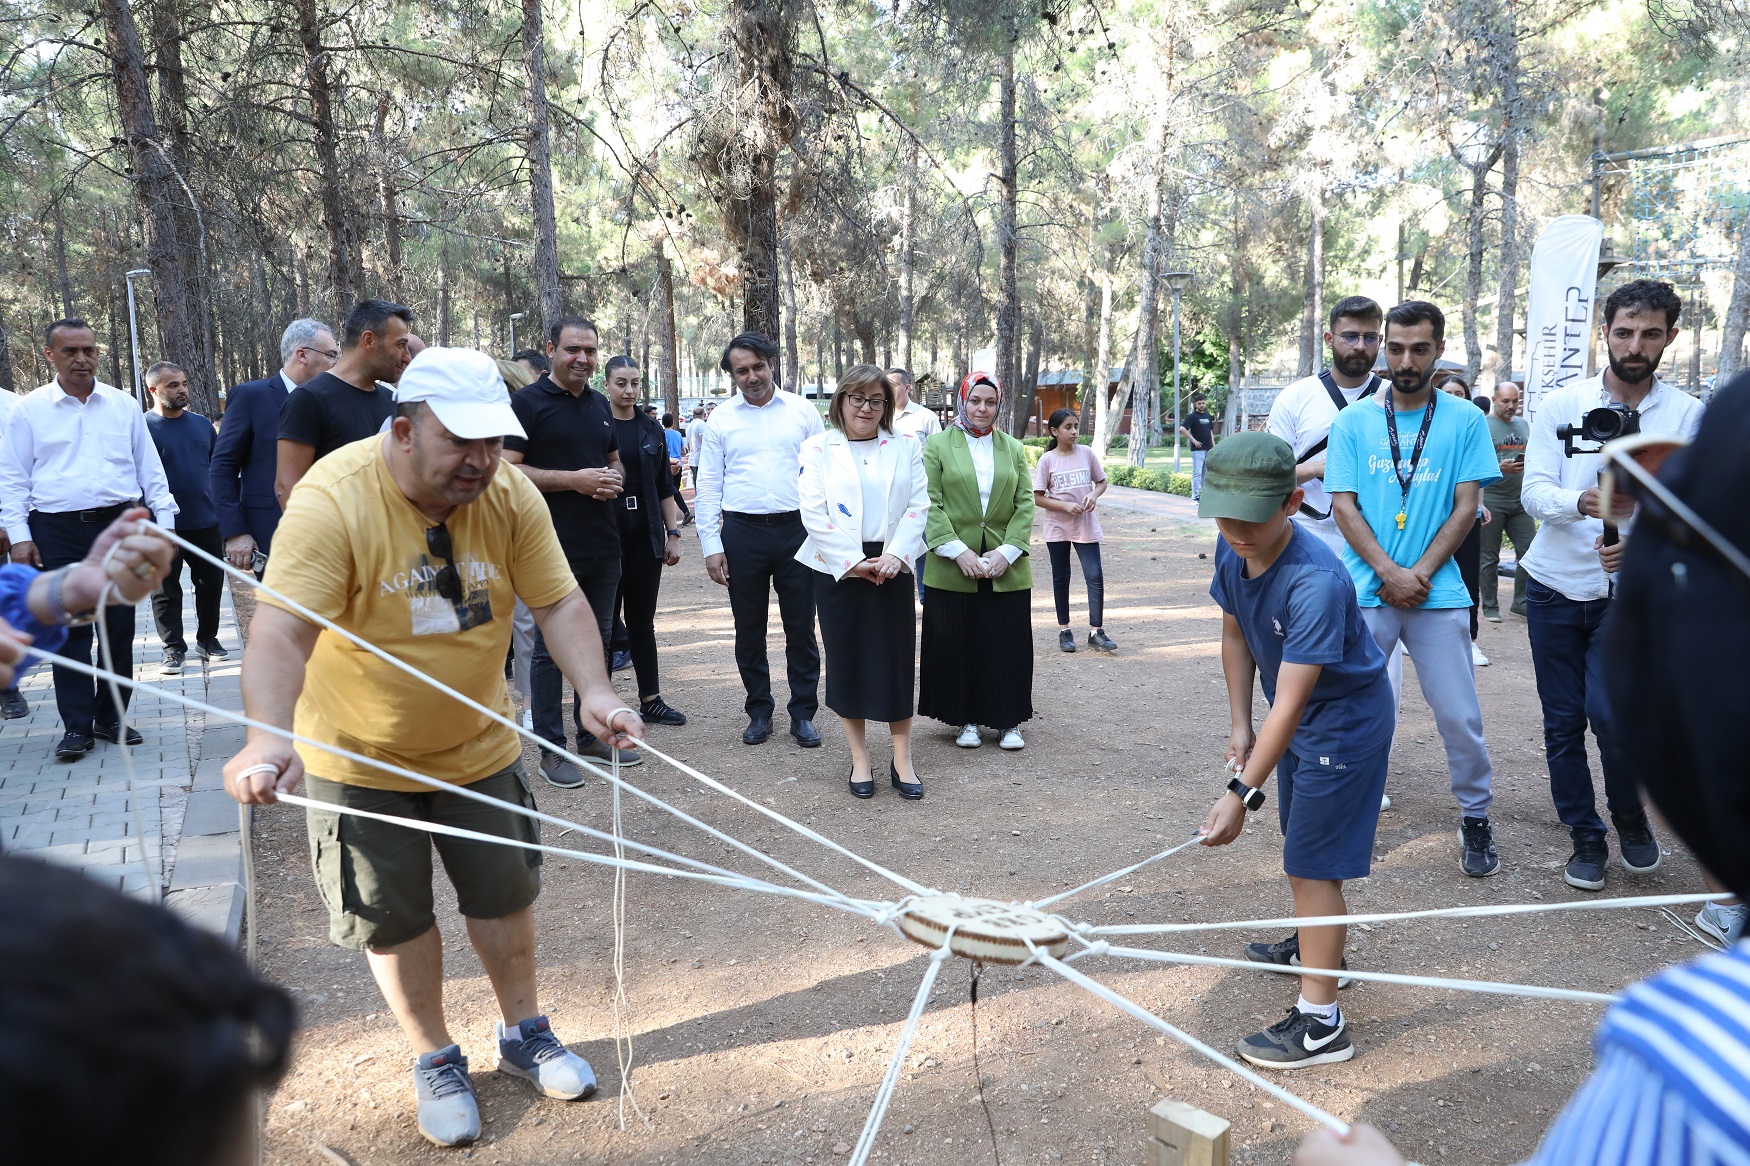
1573	561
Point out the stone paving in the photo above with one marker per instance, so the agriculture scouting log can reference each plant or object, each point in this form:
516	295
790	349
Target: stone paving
80	814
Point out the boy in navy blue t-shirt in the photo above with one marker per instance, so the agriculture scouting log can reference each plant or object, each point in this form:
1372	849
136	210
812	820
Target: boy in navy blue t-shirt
1290	617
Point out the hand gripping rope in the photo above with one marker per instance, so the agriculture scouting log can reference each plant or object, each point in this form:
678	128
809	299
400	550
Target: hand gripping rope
1016	933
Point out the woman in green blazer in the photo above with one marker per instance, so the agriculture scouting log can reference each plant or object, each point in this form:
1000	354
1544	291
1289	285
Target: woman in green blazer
976	665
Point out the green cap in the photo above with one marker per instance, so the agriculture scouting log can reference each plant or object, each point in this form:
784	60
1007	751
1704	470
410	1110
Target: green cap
1247	477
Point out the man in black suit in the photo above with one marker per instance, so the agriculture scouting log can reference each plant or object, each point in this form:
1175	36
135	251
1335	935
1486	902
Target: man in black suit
244	459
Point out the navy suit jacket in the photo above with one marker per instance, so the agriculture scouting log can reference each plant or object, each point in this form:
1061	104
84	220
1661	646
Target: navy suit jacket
245	458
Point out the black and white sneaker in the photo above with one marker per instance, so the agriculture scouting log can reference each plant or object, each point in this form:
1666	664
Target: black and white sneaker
1478	856
1298	1041
1286	953
1635	844
1585	869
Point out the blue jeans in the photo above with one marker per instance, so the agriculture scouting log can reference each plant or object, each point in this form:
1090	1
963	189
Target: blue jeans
1197	456
599	578
1567	652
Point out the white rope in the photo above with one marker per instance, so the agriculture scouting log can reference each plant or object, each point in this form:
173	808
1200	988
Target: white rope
565	852
622	1029
890	1081
1117	874
1124	1004
864	907
1489	987
499	718
154	878
1389	917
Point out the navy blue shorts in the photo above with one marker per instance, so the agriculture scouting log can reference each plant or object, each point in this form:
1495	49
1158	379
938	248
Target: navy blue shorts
1329	810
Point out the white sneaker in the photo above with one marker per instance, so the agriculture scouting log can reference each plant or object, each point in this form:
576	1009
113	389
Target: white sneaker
969	738
1012	740
1477	658
1385	801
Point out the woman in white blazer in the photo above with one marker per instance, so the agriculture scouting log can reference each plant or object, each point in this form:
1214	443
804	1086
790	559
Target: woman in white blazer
864	503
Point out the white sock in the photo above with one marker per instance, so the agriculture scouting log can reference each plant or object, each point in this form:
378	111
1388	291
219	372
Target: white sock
1325	1012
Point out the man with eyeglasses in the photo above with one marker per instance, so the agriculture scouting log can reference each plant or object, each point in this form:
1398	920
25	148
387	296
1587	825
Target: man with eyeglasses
246	455
416	542
1303	412
748	506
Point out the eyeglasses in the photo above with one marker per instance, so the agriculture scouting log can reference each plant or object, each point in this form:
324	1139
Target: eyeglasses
330	353
860	403
448	580
1365	339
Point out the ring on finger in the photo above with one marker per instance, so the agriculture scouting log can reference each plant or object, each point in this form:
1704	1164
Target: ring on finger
141	570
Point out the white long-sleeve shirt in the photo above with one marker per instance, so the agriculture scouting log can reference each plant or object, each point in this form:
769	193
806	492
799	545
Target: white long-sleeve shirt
749	461
1562	556
917	420
61	454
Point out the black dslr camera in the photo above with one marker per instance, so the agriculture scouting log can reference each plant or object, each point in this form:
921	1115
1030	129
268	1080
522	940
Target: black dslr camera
1605	423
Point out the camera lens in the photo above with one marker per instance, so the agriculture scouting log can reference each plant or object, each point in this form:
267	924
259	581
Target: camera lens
1603	425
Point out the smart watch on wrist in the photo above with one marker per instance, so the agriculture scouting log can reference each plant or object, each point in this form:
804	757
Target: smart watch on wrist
673	533
1251	799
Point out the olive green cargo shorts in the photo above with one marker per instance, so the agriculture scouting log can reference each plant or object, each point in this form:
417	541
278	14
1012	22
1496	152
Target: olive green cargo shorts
375	877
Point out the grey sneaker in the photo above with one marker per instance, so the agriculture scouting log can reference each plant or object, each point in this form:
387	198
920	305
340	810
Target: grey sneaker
595	747
1101	642
560	772
448	1113
1723	921
1585	869
1286	953
172	665
530	1050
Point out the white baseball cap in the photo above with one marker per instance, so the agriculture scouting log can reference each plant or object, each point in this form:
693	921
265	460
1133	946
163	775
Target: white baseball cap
465	391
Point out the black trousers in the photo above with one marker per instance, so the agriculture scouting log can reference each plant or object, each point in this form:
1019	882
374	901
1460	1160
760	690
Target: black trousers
66	538
598	578
209	588
635	608
760	550
1469	557
680	499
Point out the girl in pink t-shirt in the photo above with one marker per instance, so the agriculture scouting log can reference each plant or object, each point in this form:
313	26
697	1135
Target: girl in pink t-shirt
1066	486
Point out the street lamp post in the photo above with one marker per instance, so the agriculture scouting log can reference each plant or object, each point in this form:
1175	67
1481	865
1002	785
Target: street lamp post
514	317
134	326
1178	281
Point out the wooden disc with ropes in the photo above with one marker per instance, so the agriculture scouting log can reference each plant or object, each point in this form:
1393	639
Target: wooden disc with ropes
983	929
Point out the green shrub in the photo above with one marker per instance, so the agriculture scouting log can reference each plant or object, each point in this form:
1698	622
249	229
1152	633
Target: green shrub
1034	453
1120	475
1037	442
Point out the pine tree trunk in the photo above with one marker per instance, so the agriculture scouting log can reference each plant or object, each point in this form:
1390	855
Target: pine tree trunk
1507	284
387	204
6	379
174	288
541	169
792	357
62	283
1312	307
1473	275
1029	387
1140	373
665	338
1105	417
443	320
1732	329
1235	320
1008	355
907	241
344	277
762	32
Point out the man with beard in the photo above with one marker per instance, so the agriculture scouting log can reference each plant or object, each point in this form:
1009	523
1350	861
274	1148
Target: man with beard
353	400
185	442
1571	571
1303	412
1405	475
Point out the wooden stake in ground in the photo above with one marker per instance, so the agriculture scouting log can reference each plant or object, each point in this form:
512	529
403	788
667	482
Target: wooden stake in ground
1183	1135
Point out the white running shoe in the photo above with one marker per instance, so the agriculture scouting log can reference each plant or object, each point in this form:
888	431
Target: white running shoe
969	738
1723	921
1012	741
1476	656
1385	801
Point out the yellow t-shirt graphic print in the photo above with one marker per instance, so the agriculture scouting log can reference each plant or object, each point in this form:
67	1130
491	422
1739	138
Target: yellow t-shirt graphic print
353	549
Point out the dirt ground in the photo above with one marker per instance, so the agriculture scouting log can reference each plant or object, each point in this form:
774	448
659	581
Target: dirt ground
762	1027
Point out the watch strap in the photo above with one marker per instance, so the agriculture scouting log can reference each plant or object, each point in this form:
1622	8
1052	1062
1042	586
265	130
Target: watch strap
1251	799
57	598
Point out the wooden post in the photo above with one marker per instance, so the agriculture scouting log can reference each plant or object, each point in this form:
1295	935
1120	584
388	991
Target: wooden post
1183	1135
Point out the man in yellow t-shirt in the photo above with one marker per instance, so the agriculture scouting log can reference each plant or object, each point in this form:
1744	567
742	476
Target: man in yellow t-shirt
414	542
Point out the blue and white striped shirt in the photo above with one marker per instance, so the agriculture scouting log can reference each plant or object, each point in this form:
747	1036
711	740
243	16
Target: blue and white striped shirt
1672	1086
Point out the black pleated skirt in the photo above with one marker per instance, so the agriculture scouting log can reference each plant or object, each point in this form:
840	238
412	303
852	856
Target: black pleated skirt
977	659
870	637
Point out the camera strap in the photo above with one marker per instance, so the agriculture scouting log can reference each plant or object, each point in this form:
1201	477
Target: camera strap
1406	480
1318	447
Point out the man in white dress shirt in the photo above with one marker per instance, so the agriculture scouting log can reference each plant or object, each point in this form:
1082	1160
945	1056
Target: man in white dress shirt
1572	574
1302	413
76	454
750	527
12	702
909	416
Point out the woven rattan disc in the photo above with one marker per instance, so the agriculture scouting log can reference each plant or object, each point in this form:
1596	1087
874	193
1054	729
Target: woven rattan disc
984	929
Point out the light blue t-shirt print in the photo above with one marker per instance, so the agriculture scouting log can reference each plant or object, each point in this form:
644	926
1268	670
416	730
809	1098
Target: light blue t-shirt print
1358	460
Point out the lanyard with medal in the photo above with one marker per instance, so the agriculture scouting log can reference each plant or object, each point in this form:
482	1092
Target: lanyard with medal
1397	456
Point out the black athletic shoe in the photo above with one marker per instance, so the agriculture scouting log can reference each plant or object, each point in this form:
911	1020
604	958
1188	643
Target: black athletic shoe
1101	642
1066	640
13	705
1586	867
210	649
1478	857
657	712
173	660
109	733
72	747
1297	1042
1636	845
1286	953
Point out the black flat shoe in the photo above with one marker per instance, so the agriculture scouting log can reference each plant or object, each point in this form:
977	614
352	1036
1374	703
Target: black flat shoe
911	791
109	733
805	733
862	790
758	730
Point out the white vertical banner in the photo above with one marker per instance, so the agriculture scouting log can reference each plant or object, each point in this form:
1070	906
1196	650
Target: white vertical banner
1559	305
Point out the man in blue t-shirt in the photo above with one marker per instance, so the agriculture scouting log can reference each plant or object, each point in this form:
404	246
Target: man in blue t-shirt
185	442
1405	473
1290	618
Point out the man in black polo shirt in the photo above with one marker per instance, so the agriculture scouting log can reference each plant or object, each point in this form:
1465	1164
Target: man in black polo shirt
571	456
345	404
1199	426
